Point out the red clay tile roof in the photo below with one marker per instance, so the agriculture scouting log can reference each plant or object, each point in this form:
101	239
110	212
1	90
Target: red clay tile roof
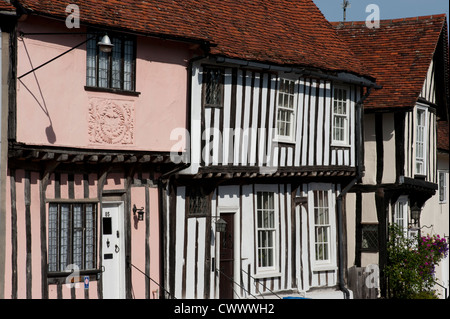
6	6
277	31
442	136
398	55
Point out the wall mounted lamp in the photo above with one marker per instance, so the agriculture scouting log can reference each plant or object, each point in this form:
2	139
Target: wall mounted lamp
221	225
140	212
105	44
415	213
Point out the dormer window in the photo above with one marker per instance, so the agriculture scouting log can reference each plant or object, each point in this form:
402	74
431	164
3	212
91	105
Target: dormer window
113	70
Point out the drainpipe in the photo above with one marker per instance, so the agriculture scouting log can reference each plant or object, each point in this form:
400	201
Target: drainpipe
2	219
359	174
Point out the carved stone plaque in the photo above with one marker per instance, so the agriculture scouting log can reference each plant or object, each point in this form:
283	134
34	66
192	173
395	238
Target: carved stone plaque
111	121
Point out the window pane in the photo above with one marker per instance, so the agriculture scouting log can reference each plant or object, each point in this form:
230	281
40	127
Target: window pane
91	74
90	237
78	236
369	237
103	69
116	56
270	257
52	238
213	87
64	237
128	59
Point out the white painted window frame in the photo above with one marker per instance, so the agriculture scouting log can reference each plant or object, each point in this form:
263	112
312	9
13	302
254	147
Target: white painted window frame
293	120
423	159
346	140
331	263
401	207
401	213
272	271
442	186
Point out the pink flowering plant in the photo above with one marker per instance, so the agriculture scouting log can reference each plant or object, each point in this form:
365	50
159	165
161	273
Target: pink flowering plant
432	250
411	264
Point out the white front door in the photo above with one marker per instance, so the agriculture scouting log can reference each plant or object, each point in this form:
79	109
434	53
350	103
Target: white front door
113	251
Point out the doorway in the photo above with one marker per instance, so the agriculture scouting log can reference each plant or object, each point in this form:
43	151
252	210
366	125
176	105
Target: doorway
113	250
227	258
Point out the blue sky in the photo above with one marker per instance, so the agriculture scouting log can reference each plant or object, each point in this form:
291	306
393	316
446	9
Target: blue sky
389	9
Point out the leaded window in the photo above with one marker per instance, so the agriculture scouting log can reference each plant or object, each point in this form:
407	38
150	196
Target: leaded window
369	237
72	236
114	70
213	87
199	202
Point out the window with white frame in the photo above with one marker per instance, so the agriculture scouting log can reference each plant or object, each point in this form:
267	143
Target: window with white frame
401	217
72	236
401	212
113	70
340	116
266	231
286	111
421	138
322	224
442	186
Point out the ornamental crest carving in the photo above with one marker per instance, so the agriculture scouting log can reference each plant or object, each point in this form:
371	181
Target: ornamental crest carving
111	121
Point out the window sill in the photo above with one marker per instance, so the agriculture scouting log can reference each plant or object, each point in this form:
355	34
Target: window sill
340	146
60	277
283	141
370	250
56	274
324	268
110	90
267	274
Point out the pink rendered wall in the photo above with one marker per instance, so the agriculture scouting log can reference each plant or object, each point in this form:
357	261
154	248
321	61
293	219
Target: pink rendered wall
139	242
53	107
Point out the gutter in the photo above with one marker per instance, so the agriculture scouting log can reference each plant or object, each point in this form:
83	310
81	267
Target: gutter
341	76
359	174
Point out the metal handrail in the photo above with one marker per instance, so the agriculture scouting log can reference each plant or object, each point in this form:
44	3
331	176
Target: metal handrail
172	296
257	281
445	288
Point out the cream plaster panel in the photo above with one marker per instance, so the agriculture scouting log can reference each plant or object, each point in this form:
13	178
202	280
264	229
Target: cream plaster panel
370	151
389	170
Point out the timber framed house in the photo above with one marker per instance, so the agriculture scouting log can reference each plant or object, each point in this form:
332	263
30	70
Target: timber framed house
274	144
403	123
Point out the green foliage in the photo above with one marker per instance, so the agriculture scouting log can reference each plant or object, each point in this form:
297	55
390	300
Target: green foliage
411	264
